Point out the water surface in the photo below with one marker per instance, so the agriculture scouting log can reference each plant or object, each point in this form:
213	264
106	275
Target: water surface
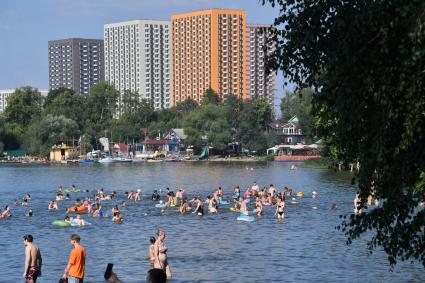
305	247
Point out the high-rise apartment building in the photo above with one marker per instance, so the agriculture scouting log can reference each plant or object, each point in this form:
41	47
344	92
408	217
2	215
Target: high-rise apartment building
259	84
5	93
138	59
75	63
209	48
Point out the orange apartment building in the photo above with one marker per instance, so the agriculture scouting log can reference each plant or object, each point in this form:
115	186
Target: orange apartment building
209	50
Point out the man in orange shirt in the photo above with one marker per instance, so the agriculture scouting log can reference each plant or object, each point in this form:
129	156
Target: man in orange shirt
77	261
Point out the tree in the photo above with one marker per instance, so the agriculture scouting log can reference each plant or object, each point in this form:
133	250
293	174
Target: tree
365	60
102	102
300	105
23	105
184	107
210	96
41	135
254	118
67	103
2	133
234	108
207	120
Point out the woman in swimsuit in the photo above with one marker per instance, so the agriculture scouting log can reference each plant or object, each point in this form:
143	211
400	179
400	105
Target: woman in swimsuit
258	207
160	252
280	209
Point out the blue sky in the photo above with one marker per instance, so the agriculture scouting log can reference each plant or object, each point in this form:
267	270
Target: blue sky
27	25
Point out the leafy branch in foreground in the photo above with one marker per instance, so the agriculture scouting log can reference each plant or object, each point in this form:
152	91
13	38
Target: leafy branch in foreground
365	61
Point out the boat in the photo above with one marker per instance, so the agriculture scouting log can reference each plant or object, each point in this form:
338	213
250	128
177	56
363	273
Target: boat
86	161
154	160
121	159
106	160
115	160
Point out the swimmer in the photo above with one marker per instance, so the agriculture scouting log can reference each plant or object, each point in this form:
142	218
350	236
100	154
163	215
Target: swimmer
212	204
98	213
55	205
160	253
184	207
258	207
151	255
199	209
357	205
117	218
293	200
29	214
155	196
280	209
334	206
314	195
6	212
243	207
79	220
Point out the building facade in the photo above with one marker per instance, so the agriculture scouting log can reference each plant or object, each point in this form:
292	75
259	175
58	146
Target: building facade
209	48
75	63
259	84
5	93
138	59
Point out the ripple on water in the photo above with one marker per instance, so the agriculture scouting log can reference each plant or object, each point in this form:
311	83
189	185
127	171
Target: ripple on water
304	247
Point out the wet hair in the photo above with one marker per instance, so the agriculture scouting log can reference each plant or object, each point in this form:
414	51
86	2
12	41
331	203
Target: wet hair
152	240
75	237
28	238
159	232
156	275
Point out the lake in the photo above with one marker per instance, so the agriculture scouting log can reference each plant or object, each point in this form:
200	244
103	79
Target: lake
304	247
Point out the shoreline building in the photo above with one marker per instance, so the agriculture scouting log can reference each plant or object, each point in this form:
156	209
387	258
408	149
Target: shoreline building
75	63
209	48
259	84
138	59
5	93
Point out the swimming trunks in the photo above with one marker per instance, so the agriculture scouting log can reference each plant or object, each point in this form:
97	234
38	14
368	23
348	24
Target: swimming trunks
32	275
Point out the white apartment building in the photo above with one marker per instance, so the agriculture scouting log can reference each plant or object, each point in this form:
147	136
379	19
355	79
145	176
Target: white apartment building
5	93
138	59
259	84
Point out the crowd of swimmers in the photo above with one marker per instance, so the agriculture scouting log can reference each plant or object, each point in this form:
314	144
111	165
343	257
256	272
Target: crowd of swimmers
254	198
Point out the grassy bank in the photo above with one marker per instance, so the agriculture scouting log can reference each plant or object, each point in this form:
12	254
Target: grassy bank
264	158
320	163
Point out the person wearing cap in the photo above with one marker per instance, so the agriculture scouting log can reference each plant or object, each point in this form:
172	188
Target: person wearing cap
33	260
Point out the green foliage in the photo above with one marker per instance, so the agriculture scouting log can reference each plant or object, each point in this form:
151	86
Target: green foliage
123	130
254	118
41	135
67	103
207	120
300	105
211	97
102	104
2	133
184	107
23	105
365	59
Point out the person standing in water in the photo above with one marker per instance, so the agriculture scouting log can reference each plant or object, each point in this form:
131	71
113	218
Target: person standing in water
74	271
160	252
280	209
33	260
